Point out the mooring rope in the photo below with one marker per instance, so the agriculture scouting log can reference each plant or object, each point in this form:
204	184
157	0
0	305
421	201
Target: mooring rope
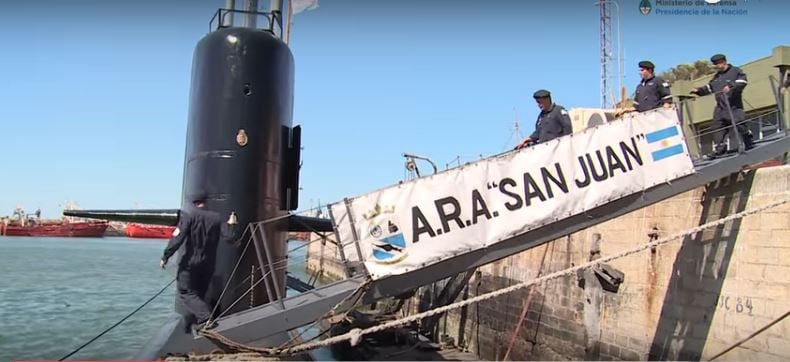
355	335
119	322
237	346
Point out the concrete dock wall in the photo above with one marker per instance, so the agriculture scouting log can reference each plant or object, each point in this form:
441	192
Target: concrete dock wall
684	301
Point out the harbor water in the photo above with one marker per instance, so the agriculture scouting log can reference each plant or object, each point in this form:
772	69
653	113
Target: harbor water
58	293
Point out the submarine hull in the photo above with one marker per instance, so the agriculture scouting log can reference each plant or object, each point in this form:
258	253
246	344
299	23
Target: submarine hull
240	114
241	154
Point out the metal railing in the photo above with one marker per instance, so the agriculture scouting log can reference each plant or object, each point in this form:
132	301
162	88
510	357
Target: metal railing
224	19
759	120
269	266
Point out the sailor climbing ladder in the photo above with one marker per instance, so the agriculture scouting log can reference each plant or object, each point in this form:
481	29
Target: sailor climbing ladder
411	234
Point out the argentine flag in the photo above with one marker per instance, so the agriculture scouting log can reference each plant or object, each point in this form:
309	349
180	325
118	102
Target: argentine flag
665	143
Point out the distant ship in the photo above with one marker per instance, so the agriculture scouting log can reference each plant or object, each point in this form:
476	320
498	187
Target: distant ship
149	231
56	228
26	225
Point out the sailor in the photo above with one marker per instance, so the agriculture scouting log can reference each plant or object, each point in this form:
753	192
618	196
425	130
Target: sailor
199	231
727	85
652	91
553	121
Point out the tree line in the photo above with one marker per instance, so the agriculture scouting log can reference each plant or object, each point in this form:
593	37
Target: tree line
699	68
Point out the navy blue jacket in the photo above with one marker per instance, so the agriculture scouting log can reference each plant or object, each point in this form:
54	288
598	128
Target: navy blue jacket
199	231
651	93
733	77
552	123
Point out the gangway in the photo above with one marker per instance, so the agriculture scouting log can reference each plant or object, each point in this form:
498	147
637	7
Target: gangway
261	326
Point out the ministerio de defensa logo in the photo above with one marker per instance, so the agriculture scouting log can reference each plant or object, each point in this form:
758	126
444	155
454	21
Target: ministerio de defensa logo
645	7
694	7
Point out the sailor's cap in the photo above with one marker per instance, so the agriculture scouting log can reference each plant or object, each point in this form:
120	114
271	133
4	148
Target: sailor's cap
647	64
718	58
541	93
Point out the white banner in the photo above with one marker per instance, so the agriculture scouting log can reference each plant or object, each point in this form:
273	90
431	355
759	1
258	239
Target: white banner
414	224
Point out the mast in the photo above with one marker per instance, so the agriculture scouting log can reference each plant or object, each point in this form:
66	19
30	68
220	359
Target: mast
249	20
227	19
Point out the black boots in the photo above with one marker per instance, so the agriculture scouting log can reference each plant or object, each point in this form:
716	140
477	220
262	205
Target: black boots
748	141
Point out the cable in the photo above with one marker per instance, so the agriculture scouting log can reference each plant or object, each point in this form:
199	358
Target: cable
227	284
119	322
171	283
569	271
275	266
356	334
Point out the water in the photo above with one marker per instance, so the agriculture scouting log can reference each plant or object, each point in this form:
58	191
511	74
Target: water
58	293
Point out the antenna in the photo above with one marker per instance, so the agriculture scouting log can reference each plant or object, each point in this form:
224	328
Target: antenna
515	132
516	135
456	160
607	50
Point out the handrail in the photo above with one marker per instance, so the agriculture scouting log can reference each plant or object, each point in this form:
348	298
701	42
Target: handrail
779	98
684	107
222	13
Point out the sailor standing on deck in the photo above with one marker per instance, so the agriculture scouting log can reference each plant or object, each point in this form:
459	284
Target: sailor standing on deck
553	121
652	91
199	231
728	85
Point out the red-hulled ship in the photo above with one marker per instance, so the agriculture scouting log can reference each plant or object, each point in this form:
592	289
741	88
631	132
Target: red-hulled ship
149	231
61	229
24	225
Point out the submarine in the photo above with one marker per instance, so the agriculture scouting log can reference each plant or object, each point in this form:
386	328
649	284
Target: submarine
242	152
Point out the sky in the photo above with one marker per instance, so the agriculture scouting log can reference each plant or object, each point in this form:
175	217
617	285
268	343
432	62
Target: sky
94	93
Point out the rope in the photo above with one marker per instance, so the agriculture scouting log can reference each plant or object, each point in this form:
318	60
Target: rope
227	283
569	271
236	346
276	266
525	308
356	335
358	293
255	284
223	291
769	325
119	322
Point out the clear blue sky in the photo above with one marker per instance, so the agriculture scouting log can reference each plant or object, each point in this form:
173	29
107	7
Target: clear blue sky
94	93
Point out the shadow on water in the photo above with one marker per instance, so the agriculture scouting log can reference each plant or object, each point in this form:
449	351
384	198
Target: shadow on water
699	272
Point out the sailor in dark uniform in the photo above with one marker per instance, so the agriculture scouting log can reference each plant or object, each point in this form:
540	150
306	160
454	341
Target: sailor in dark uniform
553	121
198	231
727	85
652	91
